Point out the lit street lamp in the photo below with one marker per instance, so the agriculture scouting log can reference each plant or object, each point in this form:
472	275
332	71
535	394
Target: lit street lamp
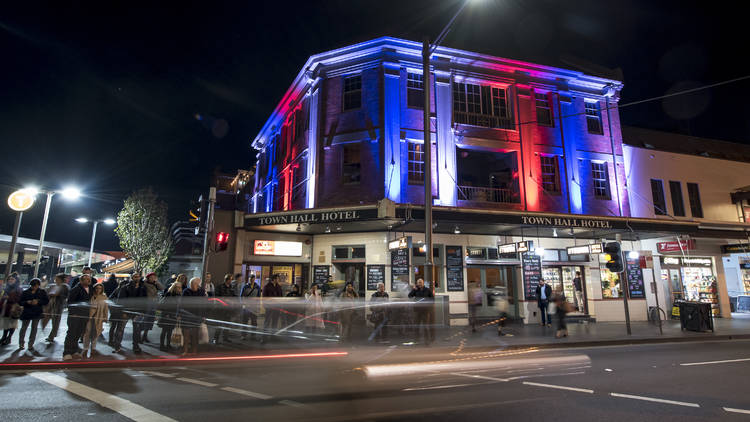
70	193
107	221
19	201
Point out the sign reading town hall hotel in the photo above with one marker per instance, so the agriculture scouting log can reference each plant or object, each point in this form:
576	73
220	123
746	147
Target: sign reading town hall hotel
588	223
331	216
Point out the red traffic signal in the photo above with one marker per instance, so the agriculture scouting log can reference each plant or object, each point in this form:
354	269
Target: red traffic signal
222	239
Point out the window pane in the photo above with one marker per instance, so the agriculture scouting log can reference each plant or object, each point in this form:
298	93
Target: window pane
352	92
543	110
358	252
695	200
416	163
675	190
657	195
351	163
593	117
341	253
549	174
600	179
415	90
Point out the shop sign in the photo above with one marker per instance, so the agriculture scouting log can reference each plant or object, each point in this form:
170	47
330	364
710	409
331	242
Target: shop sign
531	269
745	265
277	248
454	263
704	262
666	260
596	248
335	216
588	223
578	250
525	246
636	289
646	259
476	253
736	248
399	243
508	248
675	246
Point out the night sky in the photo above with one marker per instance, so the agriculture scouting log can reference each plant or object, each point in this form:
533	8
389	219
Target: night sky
108	97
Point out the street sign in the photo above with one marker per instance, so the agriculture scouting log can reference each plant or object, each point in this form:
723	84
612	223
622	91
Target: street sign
675	246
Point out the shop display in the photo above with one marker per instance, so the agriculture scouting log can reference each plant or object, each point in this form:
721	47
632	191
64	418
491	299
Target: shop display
700	286
611	287
745	271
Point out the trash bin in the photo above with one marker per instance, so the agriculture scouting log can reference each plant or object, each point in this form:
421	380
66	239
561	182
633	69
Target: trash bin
696	316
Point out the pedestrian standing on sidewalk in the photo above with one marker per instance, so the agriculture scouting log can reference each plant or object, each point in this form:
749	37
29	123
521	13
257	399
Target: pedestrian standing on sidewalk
9	298
348	310
208	286
97	315
314	309
58	297
110	285
168	318
562	307
423	307
379	313
133	298
190	311
223	309
85	270
78	316
117	318
271	290
249	294
543	296
153	288
33	300
578	287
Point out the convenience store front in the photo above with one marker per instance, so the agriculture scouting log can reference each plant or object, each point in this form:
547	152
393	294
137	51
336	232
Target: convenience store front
692	279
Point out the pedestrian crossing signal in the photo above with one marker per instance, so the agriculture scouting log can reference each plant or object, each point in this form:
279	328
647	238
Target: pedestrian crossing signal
222	241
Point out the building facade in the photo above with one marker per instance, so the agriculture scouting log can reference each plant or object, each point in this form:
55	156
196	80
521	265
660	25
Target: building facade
528	162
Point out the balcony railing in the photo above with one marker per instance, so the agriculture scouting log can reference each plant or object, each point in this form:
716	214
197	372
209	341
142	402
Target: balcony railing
483	120
481	194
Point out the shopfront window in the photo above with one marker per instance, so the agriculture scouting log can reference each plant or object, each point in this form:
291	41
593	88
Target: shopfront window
611	285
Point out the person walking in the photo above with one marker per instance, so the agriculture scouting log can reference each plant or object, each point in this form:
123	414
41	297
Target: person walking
578	287
97	315
190	311
271	290
249	294
423	308
314	309
58	297
562	307
33	300
168	318
348	303
223	309
379	313
78	316
475	302
543	296
10	308
117	318
133	298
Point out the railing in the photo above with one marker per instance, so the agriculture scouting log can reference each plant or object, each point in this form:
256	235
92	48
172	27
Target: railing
483	120
481	194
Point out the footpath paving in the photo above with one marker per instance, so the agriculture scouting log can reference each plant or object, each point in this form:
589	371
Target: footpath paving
486	337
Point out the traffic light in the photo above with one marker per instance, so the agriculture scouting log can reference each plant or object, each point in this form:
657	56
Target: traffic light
198	213
613	256
222	240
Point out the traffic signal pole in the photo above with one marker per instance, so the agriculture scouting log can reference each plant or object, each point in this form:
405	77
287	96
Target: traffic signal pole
208	233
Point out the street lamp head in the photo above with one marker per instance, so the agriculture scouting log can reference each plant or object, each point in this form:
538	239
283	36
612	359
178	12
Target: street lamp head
82	220
71	193
31	190
109	221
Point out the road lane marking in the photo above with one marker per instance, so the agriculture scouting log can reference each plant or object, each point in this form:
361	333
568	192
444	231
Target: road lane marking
678	403
158	374
124	407
291	403
713	362
198	382
559	387
247	393
481	377
729	409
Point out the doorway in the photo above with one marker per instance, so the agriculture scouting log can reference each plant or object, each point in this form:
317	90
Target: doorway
496	283
561	278
351	272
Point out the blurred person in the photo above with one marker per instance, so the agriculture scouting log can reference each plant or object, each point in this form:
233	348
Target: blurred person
503	306
97	315
224	311
423	309
236	284
379	314
578	287
58	297
292	306
190	312
76	279
543	296
168	318
475	302
171	280
117	317
110	285
132	298
249	294
208	286
78	316
9	298
347	312
33	300
562	307
153	289
314	309
271	290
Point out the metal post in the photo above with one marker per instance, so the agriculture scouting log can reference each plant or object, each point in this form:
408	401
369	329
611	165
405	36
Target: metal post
624	284
427	166
207	235
656	293
41	235
93	238
12	250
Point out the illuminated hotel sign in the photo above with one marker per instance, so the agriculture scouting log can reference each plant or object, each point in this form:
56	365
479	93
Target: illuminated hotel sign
318	217
399	243
588	223
277	248
525	246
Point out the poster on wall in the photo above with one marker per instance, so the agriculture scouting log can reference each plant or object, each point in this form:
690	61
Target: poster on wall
531	264
320	275
375	275
454	264
634	275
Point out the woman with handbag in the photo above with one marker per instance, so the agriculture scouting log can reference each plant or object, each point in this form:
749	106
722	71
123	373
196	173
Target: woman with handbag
10	308
98	312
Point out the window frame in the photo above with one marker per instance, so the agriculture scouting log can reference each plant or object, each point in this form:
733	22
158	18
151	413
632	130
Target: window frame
556	174
415	166
480	105
606	195
351	93
694	198
661	201
678	202
593	112
546	106
416	91
344	163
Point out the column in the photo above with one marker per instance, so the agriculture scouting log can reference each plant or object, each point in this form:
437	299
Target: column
392	132
446	147
313	140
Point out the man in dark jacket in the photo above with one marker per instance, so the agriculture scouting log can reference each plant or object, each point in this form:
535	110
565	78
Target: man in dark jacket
423	309
78	316
33	300
117	318
190	311
85	270
272	289
133	298
224	308
110	285
543	296
249	294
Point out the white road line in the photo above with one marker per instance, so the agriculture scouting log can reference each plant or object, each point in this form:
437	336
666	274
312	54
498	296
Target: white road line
158	374
559	387
124	407
247	393
199	382
678	403
729	409
291	403
437	387
713	362
481	377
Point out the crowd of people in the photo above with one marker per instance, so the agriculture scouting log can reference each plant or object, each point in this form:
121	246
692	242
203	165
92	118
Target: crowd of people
187	310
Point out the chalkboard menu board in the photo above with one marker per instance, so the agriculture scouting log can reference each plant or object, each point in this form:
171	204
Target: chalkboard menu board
375	275
531	264
454	264
320	274
634	274
399	268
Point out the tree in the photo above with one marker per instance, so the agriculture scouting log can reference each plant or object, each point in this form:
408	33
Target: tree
143	230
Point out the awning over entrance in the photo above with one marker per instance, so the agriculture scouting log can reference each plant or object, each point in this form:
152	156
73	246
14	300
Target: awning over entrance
409	218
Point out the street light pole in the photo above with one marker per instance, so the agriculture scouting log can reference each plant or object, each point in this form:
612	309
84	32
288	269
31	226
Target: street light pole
12	250
93	238
50	194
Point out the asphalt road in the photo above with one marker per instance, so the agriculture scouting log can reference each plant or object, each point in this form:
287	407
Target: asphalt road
615	383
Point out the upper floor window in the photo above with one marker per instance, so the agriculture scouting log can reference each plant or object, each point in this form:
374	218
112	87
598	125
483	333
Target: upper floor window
694	196
675	191
485	106
543	110
350	163
414	90
416	163
352	92
550	173
600	177
657	194
593	117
